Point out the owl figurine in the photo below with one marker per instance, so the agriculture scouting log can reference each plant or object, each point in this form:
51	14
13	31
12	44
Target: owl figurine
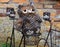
29	22
10	12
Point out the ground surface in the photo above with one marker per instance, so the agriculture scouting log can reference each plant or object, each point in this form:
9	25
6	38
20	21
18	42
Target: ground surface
6	29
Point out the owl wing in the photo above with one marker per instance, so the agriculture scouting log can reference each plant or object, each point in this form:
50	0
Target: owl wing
38	18
18	24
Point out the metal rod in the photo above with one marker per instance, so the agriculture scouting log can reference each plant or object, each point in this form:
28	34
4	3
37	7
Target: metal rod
21	41
50	33
24	40
12	37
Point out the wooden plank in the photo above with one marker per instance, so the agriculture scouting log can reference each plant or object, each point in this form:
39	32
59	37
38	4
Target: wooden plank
3	5
38	5
4	0
20	1
48	6
57	6
7	5
36	0
58	11
2	15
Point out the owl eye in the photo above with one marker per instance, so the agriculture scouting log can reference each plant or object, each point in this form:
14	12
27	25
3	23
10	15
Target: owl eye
33	9
24	10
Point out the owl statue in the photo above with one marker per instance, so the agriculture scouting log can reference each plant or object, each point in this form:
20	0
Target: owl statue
29	23
10	12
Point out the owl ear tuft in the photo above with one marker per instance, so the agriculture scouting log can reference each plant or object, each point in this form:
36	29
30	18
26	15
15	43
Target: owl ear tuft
20	6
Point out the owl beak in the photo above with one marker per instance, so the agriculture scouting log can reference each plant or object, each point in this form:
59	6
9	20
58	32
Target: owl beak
29	11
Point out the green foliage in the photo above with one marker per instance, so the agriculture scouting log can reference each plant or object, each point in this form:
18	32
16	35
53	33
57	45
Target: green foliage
4	45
